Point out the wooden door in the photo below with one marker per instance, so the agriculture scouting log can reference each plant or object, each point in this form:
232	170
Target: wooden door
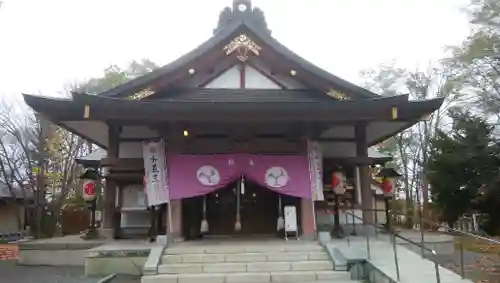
259	210
221	211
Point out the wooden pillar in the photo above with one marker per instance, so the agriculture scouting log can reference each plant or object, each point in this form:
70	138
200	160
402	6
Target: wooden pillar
176	225
117	229
307	219
109	219
364	174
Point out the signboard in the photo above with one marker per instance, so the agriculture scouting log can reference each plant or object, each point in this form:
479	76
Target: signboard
155	167
291	220
315	160
9	252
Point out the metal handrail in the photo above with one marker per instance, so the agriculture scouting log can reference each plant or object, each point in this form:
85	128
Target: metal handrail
454	230
463	233
394	236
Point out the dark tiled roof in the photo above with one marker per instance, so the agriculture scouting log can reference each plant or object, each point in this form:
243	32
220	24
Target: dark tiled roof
240	24
244	95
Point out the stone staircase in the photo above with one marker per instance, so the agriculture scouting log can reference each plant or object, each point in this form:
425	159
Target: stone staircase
256	262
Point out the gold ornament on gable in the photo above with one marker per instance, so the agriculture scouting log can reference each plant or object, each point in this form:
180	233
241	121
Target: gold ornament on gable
243	46
141	94
337	94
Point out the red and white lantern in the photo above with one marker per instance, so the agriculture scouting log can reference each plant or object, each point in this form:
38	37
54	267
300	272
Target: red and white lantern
338	182
89	190
388	185
389	180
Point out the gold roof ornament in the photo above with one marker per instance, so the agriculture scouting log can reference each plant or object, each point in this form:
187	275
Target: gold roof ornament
394	113
86	111
141	94
337	94
242	44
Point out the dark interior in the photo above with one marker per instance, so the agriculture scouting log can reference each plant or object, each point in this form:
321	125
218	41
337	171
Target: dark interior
258	210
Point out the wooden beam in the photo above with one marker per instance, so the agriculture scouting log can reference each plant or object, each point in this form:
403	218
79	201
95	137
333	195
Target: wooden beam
339	139
123	164
125	176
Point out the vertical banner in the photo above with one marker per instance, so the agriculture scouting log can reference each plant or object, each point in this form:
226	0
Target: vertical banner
315	159
155	178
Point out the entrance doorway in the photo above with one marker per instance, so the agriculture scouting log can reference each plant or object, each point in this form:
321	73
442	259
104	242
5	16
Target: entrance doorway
258	211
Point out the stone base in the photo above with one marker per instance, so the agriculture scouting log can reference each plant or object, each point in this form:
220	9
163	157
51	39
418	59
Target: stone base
118	265
107	233
120	258
63	251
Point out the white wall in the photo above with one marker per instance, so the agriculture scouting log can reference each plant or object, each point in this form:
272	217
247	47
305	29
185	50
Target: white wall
134	213
254	79
228	79
284	80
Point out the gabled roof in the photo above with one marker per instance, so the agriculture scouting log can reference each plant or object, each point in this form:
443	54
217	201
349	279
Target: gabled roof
231	24
16	193
244	95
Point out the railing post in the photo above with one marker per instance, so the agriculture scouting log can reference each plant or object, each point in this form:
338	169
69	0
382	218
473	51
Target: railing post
348	234
368	244
462	267
436	267
396	261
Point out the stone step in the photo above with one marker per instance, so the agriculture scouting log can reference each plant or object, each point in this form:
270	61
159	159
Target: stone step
225	249
245	257
192	268
257	277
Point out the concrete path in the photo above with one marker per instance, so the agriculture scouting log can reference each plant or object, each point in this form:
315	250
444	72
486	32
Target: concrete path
413	268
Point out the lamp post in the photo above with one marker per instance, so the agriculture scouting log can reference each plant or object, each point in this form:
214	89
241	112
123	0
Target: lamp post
90	179
338	190
389	177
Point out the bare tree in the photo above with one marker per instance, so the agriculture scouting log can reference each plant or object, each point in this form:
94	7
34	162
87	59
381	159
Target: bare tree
40	156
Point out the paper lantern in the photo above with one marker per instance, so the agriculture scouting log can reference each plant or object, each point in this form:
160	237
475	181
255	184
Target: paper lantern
387	186
338	183
89	184
389	177
89	190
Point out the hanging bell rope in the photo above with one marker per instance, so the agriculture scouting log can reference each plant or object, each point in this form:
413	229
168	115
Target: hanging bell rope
204	222
239	189
281	221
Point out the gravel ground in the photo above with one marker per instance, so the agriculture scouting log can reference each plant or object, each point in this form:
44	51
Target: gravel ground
10	272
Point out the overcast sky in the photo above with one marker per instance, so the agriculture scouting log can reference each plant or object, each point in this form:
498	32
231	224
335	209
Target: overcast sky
45	44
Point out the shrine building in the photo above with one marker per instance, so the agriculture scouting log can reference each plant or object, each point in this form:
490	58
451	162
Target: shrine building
241	118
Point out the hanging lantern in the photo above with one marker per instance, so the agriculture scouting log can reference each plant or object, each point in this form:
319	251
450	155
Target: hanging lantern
338	179
204	228
89	184
389	178
387	186
240	190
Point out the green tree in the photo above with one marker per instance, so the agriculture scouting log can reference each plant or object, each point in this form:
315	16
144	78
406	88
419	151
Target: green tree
462	167
115	75
475	64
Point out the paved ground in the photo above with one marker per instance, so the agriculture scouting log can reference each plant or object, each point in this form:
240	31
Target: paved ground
413	269
11	272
